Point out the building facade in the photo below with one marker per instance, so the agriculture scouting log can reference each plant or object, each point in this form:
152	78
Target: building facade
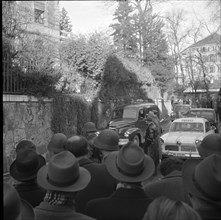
203	59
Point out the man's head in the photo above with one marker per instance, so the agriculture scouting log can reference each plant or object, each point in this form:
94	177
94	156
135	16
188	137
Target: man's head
57	143
203	180
63	174
130	164
107	140
77	145
170	164
211	144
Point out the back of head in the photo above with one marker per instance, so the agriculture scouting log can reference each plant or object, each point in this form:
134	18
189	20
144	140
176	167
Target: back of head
24	145
211	144
89	127
170	164
165	208
57	143
107	140
77	145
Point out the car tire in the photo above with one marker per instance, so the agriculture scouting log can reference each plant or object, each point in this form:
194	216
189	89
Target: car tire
136	140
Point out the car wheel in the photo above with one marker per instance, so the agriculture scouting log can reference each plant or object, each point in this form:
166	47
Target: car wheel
136	140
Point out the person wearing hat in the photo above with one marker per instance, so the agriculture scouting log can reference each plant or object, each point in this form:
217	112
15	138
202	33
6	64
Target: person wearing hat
90	132
62	177
56	145
211	144
102	184
106	142
22	145
171	182
130	166
15	208
24	170
203	183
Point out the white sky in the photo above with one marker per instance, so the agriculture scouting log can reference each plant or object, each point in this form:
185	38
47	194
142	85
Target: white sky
87	16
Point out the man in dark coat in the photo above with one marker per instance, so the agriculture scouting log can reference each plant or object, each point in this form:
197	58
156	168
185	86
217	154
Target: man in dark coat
102	184
130	166
171	184
24	170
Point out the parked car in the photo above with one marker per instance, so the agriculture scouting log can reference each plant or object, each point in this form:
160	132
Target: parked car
184	135
130	121
207	113
179	111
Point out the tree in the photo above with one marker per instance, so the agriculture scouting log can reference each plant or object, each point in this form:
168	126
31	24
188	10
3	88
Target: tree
65	23
142	34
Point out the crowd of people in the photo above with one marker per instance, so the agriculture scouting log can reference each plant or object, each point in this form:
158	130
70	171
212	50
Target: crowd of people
89	176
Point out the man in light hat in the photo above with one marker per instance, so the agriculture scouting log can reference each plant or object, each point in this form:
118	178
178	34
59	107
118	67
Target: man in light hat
102	184
62	178
15	208
130	166
203	183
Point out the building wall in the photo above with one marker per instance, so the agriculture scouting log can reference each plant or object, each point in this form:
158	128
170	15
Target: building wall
25	118
211	60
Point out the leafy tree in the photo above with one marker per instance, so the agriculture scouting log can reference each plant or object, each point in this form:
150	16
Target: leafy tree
65	23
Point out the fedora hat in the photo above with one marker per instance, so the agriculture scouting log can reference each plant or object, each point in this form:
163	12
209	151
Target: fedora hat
57	143
130	164
211	144
62	173
107	140
89	127
203	179
26	165
25	144
77	145
14	206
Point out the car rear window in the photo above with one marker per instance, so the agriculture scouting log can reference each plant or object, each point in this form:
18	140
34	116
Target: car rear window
204	114
130	113
185	126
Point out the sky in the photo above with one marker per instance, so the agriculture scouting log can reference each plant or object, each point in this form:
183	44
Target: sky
88	16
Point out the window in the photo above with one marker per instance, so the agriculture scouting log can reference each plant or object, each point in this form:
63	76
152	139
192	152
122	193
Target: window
211	69
219	68
39	16
208	127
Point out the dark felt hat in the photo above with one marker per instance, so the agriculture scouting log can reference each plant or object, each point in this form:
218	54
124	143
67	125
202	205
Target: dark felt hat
90	127
107	140
25	144
26	165
203	178
57	143
211	144
130	164
14	206
62	173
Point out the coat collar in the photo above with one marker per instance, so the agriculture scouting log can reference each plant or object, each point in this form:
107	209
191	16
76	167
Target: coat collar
129	193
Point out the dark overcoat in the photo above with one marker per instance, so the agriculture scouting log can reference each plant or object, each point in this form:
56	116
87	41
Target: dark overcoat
123	204
170	186
102	184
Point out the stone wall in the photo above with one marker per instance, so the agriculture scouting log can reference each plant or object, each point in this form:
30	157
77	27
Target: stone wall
25	118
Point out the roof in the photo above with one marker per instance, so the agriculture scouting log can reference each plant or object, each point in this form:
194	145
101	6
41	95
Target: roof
190	119
141	105
211	39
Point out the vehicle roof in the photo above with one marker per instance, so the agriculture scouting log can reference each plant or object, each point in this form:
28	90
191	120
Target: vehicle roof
190	119
141	105
203	109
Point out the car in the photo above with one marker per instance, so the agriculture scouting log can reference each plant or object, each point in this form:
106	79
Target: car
179	111
207	113
183	136
130	121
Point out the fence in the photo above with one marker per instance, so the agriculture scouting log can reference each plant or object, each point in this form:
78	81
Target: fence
12	79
